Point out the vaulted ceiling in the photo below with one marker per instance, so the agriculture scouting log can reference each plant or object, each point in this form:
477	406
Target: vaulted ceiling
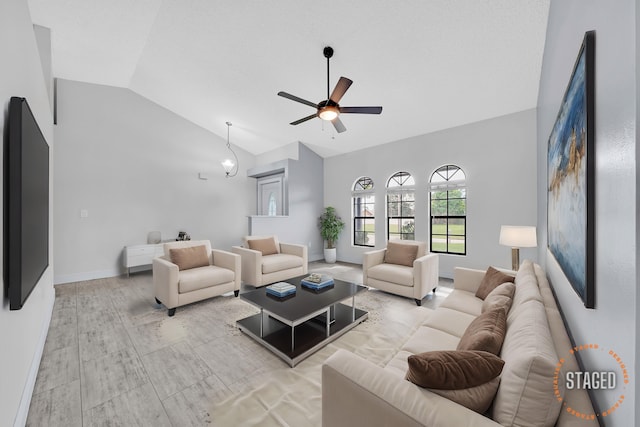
432	64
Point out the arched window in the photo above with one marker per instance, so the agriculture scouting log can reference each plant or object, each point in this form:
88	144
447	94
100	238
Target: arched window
364	218
448	198
401	207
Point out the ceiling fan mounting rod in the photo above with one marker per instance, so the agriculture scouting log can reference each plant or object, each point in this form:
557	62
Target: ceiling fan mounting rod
328	53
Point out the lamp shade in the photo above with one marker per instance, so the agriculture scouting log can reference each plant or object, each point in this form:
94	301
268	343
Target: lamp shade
518	236
228	165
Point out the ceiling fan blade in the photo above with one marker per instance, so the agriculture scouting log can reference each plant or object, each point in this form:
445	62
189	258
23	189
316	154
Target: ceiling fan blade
295	98
361	110
337	123
341	87
302	120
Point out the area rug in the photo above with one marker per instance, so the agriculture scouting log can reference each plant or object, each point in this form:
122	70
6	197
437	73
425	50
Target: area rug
291	397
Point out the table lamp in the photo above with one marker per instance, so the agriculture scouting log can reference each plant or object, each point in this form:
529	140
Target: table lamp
517	236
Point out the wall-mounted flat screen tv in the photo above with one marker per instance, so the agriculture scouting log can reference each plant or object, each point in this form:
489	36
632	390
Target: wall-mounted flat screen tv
26	198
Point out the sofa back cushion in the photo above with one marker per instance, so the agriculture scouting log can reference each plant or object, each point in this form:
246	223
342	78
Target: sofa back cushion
401	253
500	297
526	395
485	333
189	257
526	285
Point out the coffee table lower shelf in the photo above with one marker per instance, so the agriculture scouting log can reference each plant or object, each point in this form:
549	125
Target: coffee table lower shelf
310	336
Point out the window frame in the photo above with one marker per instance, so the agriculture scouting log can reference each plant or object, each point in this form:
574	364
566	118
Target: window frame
402	187
363	188
447	185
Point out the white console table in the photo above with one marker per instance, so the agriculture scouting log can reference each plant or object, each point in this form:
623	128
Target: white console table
138	255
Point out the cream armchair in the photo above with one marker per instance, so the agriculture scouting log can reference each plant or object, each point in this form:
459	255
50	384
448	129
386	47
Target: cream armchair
191	271
265	260
403	268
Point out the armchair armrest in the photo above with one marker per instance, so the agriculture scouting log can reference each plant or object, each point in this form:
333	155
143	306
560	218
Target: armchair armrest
358	392
297	250
251	265
165	281
370	259
425	275
230	261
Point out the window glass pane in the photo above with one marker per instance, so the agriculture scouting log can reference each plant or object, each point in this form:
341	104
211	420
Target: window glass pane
456	226
364	183
435	195
438	243
438	207
457	207
407	209
457	244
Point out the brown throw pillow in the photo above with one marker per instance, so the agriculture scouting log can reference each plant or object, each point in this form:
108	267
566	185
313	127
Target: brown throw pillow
266	246
401	254
491	280
485	332
500	297
191	257
453	370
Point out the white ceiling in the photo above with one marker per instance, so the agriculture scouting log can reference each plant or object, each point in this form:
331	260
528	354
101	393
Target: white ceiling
431	64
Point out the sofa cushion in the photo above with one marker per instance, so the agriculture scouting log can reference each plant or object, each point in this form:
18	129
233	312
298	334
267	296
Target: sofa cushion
426	338
453	370
501	297
450	321
463	301
267	246
526	395
190	257
279	262
393	273
485	333
526	285
203	277
401	254
491	280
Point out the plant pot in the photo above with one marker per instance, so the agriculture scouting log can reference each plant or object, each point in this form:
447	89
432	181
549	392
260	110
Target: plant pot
330	255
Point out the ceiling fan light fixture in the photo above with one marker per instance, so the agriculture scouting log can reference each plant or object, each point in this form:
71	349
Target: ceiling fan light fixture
329	113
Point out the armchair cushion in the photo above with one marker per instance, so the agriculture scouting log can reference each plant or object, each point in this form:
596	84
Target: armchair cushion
190	257
203	277
486	332
279	262
401	254
491	280
267	246
394	273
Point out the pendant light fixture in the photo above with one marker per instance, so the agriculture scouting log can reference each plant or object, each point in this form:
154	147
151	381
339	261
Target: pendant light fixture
228	164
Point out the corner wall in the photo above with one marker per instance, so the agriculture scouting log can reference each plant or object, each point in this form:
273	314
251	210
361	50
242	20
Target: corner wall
496	156
134	167
613	323
23	332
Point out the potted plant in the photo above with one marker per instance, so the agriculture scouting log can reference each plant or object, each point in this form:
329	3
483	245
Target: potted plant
330	227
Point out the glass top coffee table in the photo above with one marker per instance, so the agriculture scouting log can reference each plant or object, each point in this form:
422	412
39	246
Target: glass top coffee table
296	326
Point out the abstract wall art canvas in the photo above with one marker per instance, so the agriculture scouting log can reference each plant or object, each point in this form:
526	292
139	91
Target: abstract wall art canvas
571	181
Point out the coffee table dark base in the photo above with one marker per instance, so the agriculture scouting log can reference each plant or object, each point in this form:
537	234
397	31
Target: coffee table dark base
310	336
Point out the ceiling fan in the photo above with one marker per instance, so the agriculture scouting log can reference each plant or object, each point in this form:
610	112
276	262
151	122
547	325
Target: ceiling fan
329	109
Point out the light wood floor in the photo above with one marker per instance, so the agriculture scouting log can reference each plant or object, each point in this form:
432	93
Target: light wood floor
114	357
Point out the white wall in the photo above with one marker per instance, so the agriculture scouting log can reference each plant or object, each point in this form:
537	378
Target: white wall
134	167
23	332
496	156
613	323
306	192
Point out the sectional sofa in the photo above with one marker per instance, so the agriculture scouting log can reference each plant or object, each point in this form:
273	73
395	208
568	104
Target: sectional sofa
358	392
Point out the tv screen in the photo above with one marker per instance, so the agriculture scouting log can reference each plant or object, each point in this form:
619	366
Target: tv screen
26	203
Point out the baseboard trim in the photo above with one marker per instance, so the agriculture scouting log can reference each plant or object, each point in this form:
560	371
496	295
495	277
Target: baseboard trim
87	275
27	393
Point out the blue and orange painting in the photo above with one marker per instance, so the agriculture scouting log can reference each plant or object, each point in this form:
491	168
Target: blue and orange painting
567	192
